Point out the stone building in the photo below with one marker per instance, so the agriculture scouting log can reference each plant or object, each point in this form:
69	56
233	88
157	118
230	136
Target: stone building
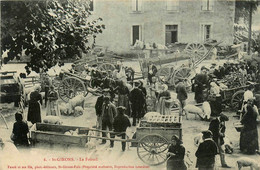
163	21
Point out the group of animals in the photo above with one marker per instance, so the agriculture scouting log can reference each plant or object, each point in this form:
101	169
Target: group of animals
75	106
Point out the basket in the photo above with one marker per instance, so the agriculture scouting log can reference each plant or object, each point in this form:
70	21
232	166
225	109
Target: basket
238	126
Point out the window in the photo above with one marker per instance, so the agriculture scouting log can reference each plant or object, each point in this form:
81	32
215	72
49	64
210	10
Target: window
207	5
91	5
172	5
136	33
136	5
206	32
171	34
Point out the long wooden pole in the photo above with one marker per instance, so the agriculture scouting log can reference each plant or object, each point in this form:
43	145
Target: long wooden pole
250	27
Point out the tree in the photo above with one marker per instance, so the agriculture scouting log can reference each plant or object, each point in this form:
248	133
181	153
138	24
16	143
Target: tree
47	31
245	10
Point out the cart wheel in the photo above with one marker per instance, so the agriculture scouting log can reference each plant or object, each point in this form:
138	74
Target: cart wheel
185	74
71	87
106	67
164	74
152	149
195	51
237	99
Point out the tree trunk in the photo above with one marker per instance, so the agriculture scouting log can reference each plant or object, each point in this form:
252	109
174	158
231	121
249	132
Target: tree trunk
250	28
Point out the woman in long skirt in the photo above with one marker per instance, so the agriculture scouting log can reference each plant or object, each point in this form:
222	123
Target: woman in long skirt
123	96
52	104
163	106
176	154
249	134
35	102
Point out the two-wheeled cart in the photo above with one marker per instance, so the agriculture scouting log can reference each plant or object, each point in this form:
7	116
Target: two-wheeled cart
153	137
172	74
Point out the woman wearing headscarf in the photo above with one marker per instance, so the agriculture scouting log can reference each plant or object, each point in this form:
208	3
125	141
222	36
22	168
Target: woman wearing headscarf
20	131
123	96
52	106
176	154
35	102
215	99
163	106
249	134
153	92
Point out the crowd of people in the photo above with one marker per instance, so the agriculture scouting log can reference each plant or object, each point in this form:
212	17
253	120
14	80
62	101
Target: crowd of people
122	98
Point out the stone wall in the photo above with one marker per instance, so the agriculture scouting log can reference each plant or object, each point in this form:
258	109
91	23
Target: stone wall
118	17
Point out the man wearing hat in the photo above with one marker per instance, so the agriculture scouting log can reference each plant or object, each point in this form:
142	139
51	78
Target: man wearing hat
206	152
121	122
218	128
98	106
201	84
137	100
109	112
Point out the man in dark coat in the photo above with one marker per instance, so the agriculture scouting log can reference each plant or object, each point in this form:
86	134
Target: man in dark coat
35	102
206	152
109	112
137	101
218	128
121	122
181	95
98	107
201	85
144	110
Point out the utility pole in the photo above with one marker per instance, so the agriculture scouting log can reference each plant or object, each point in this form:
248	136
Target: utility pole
250	27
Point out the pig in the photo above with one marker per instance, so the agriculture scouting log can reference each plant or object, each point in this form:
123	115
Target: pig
52	120
245	161
192	109
76	101
78	111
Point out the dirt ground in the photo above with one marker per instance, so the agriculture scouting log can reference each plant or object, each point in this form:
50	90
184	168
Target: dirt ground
47	155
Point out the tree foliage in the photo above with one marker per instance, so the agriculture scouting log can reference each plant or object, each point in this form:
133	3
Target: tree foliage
242	9
47	31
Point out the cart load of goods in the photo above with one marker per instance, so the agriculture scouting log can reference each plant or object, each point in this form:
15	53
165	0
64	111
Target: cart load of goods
234	80
156	120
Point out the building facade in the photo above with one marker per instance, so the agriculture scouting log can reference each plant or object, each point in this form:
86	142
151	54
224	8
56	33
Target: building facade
163	21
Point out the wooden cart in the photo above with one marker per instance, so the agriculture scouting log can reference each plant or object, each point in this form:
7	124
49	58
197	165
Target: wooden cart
72	85
54	134
153	137
173	74
235	96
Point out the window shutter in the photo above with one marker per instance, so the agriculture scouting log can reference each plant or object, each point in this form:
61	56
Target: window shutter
167	37
169	4
172	5
175	4
211	3
133	5
140	32
139	5
204	5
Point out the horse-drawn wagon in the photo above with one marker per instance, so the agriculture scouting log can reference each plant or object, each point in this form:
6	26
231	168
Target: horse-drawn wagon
172	74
